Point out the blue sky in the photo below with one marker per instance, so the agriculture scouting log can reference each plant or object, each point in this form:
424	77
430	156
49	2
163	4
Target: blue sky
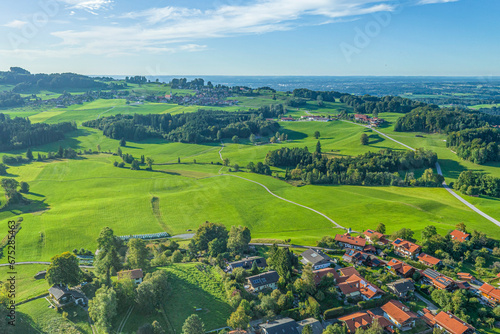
252	37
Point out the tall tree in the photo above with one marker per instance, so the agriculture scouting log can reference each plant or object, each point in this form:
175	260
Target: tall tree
239	319
461	227
317	134
123	142
102	308
381	228
29	154
318	147
137	254
11	194
24	187
428	232
364	139
150	162
64	269
193	325
239	237
208	232
107	256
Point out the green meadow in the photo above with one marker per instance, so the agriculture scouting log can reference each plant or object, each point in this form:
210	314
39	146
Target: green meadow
71	200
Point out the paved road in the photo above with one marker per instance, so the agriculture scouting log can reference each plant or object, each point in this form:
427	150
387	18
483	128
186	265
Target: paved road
182	236
433	308
438	168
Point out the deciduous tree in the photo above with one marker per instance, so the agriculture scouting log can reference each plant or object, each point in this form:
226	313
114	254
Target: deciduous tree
64	270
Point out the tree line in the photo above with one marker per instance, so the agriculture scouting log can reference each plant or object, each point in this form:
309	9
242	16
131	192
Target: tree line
477	145
380	168
197	127
27	82
476	183
20	132
433	119
9	100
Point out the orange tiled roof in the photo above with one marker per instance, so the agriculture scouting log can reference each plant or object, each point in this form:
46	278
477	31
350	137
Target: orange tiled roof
357	320
347	239
398	311
459	235
370	233
428	259
490	291
319	274
451	323
400	266
409	246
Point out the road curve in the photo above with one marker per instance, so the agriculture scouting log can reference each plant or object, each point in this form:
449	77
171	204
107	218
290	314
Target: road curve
287	200
438	168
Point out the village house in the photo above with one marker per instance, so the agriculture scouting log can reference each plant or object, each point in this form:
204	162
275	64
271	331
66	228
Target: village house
316	258
263	281
438	280
319	274
364	320
402	288
346	241
287	119
279	326
358	257
361	118
135	275
316	326
247	263
375	237
62	296
406	248
459	236
429	261
399	314
491	293
466	277
448	322
357	287
400	268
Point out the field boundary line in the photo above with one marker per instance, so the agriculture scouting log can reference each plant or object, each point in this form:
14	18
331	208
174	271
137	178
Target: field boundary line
438	168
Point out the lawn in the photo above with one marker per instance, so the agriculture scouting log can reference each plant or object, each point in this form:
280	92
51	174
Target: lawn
26	285
43	319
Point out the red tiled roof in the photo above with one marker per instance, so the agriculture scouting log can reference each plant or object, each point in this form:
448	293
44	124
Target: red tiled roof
396	310
350	240
400	266
459	235
132	274
465	276
451	323
409	246
348	271
357	320
370	233
319	274
428	259
490	291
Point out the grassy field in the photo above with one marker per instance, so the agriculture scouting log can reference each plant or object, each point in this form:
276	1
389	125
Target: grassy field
27	286
73	200
43	319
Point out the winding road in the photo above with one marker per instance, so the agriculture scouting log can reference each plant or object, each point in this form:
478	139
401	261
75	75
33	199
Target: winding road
438	168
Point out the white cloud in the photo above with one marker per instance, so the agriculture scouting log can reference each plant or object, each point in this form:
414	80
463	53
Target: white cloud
15	24
429	2
89	5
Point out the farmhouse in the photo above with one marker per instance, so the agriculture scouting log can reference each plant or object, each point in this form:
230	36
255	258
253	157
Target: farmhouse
374	237
402	288
438	280
61	295
263	281
466	277
362	118
399	314
490	292
287	119
448	322
459	236
346	241
247	263
405	248
135	275
400	268
317	258
428	260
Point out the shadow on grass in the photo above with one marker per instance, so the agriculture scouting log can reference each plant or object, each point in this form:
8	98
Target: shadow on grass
375	138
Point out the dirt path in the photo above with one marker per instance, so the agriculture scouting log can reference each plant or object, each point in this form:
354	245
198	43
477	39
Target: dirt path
124	321
279	197
155	206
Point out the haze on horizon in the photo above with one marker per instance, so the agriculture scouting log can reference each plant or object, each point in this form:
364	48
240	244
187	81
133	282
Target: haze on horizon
255	37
